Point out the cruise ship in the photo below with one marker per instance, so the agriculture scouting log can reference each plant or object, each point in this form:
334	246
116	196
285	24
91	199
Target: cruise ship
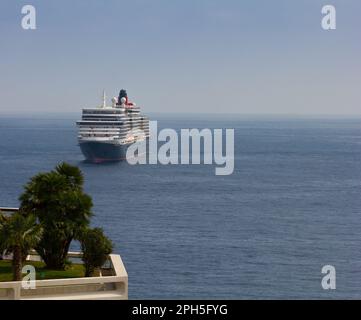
106	132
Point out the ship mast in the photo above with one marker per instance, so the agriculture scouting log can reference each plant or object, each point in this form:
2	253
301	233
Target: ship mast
104	100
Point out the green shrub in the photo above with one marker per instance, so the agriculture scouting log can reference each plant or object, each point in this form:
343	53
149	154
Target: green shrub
96	247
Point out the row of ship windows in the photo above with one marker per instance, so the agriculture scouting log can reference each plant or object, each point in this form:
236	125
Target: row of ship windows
115	128
111	113
115	120
112	133
107	136
114	111
103	120
111	129
128	125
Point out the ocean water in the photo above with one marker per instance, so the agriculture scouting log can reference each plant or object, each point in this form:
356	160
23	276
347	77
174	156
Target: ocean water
291	206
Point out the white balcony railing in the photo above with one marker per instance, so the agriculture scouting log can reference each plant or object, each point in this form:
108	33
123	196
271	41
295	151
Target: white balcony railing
112	284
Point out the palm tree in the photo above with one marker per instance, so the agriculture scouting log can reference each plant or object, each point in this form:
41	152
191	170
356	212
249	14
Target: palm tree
57	199
17	235
2	221
2	218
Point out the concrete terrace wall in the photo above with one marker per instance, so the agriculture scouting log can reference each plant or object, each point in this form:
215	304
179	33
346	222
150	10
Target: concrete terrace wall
111	285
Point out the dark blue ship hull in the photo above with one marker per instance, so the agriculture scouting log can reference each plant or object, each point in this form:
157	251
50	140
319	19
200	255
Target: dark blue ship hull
98	152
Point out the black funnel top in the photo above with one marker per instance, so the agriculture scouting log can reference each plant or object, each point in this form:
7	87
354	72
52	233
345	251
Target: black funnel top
122	94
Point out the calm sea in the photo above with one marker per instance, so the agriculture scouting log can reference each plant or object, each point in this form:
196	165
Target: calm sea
291	206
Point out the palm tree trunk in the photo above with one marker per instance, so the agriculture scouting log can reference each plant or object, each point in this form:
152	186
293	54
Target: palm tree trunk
89	271
55	259
65	252
17	263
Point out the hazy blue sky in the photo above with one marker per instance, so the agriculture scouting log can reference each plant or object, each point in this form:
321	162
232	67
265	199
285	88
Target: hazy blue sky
230	56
